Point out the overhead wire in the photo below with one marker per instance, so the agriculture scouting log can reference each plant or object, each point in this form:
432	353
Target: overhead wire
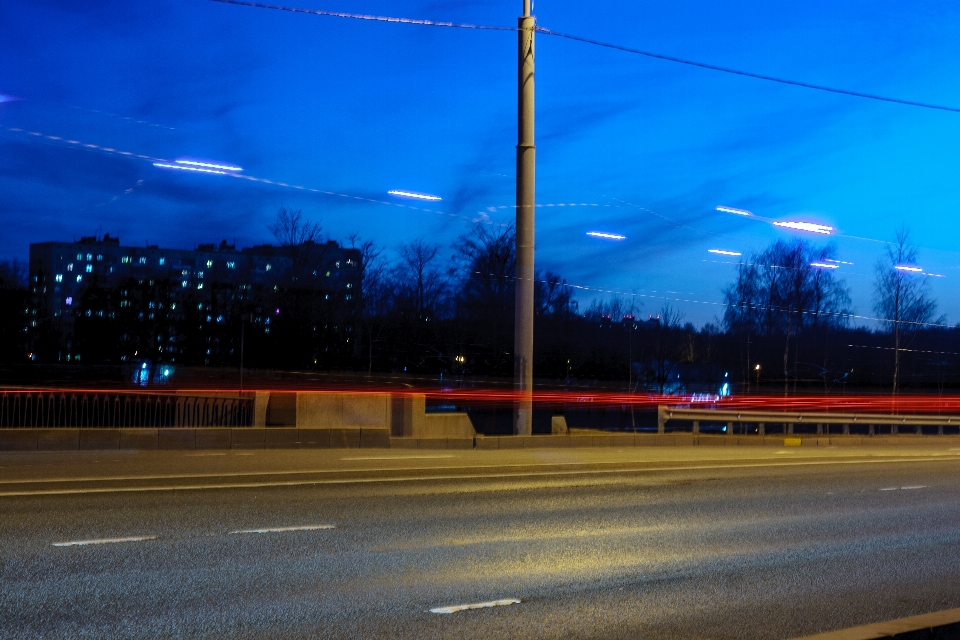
598	43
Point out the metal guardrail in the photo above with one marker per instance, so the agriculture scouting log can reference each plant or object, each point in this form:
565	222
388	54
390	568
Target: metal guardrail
820	421
20	409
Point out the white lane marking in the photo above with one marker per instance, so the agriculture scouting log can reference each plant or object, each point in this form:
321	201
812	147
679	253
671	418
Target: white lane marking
245	454
889	489
470	476
201	455
83	543
307	527
479	605
915	486
399	457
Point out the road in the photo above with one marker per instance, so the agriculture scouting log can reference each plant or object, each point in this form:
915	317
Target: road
659	543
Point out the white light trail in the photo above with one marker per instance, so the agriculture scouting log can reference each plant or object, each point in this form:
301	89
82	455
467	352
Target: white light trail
84	543
935	275
309	527
903	267
182	168
824	265
606	236
837	261
411	194
739	212
805	226
724	252
207	165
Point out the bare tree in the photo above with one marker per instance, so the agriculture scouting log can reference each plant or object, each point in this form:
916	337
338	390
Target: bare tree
375	292
902	297
291	230
422	287
13	274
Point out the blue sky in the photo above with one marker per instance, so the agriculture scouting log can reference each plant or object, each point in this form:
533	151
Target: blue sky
359	108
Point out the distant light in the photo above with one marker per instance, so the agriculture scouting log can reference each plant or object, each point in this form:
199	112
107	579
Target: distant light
739	212
607	236
806	226
4	98
724	252
837	261
198	169
166	372
904	267
208	165
935	275
411	194
824	265
69	301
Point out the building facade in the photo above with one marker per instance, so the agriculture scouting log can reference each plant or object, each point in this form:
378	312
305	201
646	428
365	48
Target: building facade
97	301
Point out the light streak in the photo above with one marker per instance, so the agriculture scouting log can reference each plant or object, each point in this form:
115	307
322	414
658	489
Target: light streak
935	275
805	226
904	267
411	194
739	212
198	169
208	165
837	261
606	236
724	252
824	265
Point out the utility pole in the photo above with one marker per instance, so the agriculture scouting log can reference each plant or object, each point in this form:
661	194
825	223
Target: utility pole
526	199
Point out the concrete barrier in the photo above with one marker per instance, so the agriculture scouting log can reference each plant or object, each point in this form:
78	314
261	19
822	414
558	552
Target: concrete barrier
139	439
19	439
177	438
445	425
99	439
941	625
58	439
213	438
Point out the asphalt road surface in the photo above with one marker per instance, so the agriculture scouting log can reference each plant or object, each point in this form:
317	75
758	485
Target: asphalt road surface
667	543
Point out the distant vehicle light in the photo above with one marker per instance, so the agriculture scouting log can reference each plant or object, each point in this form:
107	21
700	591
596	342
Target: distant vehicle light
935	275
836	261
739	212
824	265
165	165
724	252
908	268
411	194
606	236
805	226
209	165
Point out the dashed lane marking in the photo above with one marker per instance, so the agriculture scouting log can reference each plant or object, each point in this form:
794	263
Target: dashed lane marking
83	543
478	605
202	455
307	527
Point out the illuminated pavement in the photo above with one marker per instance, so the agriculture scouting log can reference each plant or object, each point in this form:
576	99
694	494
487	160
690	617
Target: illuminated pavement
716	543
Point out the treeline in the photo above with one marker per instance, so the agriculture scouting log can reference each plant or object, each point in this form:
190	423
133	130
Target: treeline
787	327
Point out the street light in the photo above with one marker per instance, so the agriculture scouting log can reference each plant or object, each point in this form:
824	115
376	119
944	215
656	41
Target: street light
757	369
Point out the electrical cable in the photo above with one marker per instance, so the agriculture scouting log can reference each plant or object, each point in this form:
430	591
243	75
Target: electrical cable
598	43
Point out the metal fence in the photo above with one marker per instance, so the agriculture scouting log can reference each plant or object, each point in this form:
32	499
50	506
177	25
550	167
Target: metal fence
19	409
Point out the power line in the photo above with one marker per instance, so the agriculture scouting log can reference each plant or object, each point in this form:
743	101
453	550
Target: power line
373	18
598	43
748	74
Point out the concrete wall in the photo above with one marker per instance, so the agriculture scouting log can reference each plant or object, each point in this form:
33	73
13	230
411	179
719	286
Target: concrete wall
445	425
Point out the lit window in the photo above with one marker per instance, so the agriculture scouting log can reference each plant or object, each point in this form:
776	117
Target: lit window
184	283
69	301
349	285
89	257
337	264
269	267
125	259
58	277
209	263
79	278
99	258
349	261
143	260
162	260
348	296
70	267
199	274
231	265
326	296
89	268
200	286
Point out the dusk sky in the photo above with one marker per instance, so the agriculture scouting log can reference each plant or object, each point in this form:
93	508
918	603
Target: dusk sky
643	148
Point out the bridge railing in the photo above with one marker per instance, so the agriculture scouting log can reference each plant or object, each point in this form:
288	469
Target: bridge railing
22	409
817	422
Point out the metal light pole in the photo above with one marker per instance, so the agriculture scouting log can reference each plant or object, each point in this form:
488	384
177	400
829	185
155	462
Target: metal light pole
526	183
